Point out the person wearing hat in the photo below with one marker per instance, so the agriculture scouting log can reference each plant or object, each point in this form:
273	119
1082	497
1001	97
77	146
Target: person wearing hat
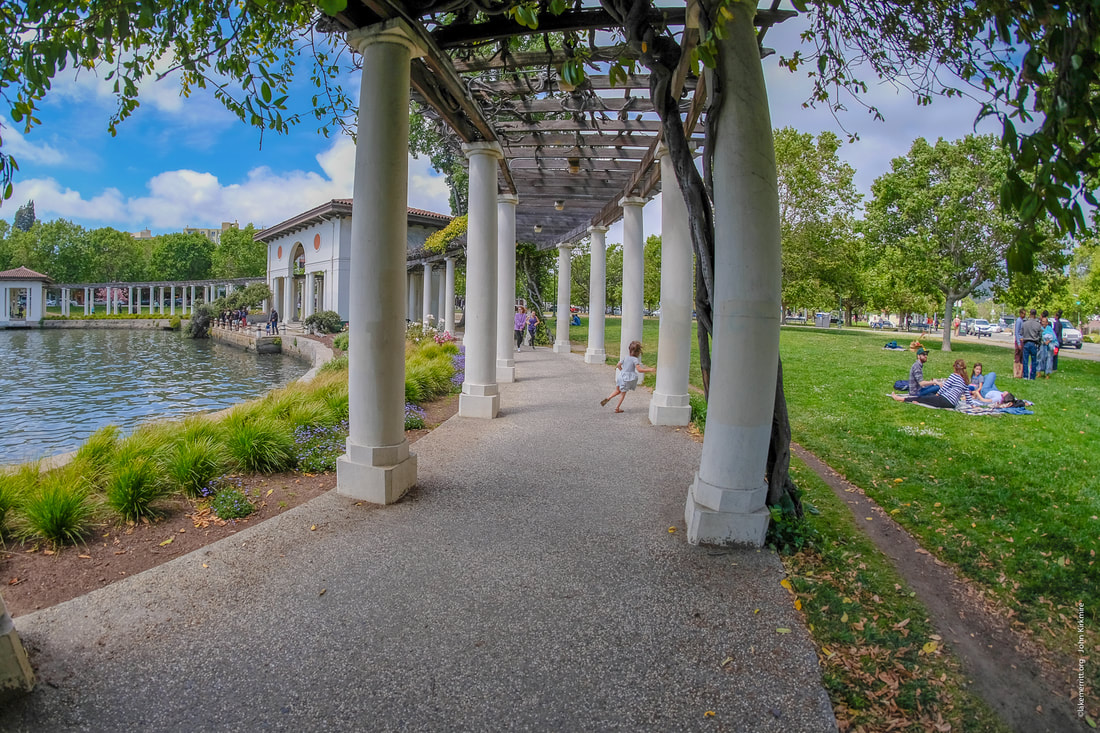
918	385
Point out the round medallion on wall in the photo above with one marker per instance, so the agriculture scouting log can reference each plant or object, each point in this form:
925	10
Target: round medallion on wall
316	242
279	254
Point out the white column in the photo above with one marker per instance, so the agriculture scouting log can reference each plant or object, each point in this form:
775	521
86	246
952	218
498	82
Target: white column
480	395
597	296
87	301
426	296
633	272
669	405
160	308
449	295
289	304
172	300
130	299
506	287
561	337
307	296
726	502
378	466
410	306
439	293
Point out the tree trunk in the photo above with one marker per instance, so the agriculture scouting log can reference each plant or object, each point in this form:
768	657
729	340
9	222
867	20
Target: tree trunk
782	491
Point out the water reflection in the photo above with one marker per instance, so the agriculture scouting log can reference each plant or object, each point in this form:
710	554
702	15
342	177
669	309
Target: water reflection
58	386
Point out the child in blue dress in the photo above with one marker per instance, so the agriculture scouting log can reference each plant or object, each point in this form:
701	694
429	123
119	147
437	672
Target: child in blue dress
626	374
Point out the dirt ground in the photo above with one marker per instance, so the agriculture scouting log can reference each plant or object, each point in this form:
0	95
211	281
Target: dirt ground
32	576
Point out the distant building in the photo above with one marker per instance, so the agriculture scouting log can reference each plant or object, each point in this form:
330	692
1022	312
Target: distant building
22	296
214	235
143	234
309	255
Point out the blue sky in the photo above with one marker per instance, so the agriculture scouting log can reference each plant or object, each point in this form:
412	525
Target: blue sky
188	162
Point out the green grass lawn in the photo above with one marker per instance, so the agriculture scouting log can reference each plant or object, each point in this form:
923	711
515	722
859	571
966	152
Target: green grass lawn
1012	500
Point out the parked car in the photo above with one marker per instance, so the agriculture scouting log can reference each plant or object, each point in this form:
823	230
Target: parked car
1008	322
980	327
1071	336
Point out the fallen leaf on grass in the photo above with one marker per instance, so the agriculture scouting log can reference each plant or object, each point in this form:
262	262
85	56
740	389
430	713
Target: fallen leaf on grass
47	552
85	557
167	542
15	581
844	618
797	605
786	584
930	647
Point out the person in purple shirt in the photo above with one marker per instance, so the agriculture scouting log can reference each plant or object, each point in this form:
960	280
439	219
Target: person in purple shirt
520	325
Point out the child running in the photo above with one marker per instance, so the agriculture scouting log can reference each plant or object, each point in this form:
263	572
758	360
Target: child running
626	374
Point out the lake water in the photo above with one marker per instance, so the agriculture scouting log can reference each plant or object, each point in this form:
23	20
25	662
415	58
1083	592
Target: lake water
57	387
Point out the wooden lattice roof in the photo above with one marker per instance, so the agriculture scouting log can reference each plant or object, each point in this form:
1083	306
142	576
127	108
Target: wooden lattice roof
570	154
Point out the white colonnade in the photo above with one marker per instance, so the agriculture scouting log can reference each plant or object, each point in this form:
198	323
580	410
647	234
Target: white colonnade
426	295
506	287
726	502
633	272
449	295
597	297
669	404
561	335
480	394
378	466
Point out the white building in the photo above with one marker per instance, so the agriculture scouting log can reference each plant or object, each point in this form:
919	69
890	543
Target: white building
309	256
22	297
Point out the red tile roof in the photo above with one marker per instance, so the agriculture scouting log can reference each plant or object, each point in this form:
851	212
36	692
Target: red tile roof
22	273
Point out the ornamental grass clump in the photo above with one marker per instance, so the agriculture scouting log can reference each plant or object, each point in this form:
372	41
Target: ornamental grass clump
14	487
191	463
260	446
133	488
318	446
58	511
98	450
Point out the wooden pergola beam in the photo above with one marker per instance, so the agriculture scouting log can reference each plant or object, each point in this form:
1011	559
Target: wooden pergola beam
548	152
577	139
602	82
502	26
597	126
528	59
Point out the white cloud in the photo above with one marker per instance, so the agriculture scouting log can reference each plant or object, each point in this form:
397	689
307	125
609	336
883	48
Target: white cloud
27	152
180	198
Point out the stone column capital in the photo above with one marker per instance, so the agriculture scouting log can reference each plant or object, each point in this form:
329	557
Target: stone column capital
632	201
391	31
566	246
508	198
483	148
597	230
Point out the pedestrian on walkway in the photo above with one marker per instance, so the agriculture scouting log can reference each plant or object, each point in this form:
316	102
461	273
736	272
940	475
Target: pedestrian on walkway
1018	352
532	325
520	325
626	374
1030	333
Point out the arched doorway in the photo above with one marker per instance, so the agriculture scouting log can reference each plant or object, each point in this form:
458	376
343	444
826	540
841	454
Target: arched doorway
296	279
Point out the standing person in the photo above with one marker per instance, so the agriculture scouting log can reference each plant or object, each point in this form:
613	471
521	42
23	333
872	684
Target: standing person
1058	336
955	325
273	322
1047	344
532	326
626	374
951	391
1018	350
519	325
1030	333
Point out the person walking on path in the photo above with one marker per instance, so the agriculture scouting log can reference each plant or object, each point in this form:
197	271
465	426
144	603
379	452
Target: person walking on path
626	374
520	325
1030	333
532	325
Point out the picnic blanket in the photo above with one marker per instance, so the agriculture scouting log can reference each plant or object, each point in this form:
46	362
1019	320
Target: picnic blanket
893	346
976	408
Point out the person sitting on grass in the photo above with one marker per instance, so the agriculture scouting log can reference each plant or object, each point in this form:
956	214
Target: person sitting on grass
951	390
982	383
626	374
918	385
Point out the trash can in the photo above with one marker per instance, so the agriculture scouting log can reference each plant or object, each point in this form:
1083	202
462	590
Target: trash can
821	320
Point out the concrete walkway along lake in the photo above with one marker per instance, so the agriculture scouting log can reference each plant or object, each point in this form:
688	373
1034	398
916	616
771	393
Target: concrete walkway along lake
530	582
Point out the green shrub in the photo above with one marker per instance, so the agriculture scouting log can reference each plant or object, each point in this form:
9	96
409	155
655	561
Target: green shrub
58	511
96	456
14	487
201	318
341	342
189	464
134	487
427	378
312	412
231	503
260	446
339	364
174	323
319	446
414	417
698	410
324	322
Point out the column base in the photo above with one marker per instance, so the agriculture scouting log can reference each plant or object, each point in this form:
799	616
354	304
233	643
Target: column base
669	409
16	675
595	356
506	370
482	406
562	347
741	519
378	475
